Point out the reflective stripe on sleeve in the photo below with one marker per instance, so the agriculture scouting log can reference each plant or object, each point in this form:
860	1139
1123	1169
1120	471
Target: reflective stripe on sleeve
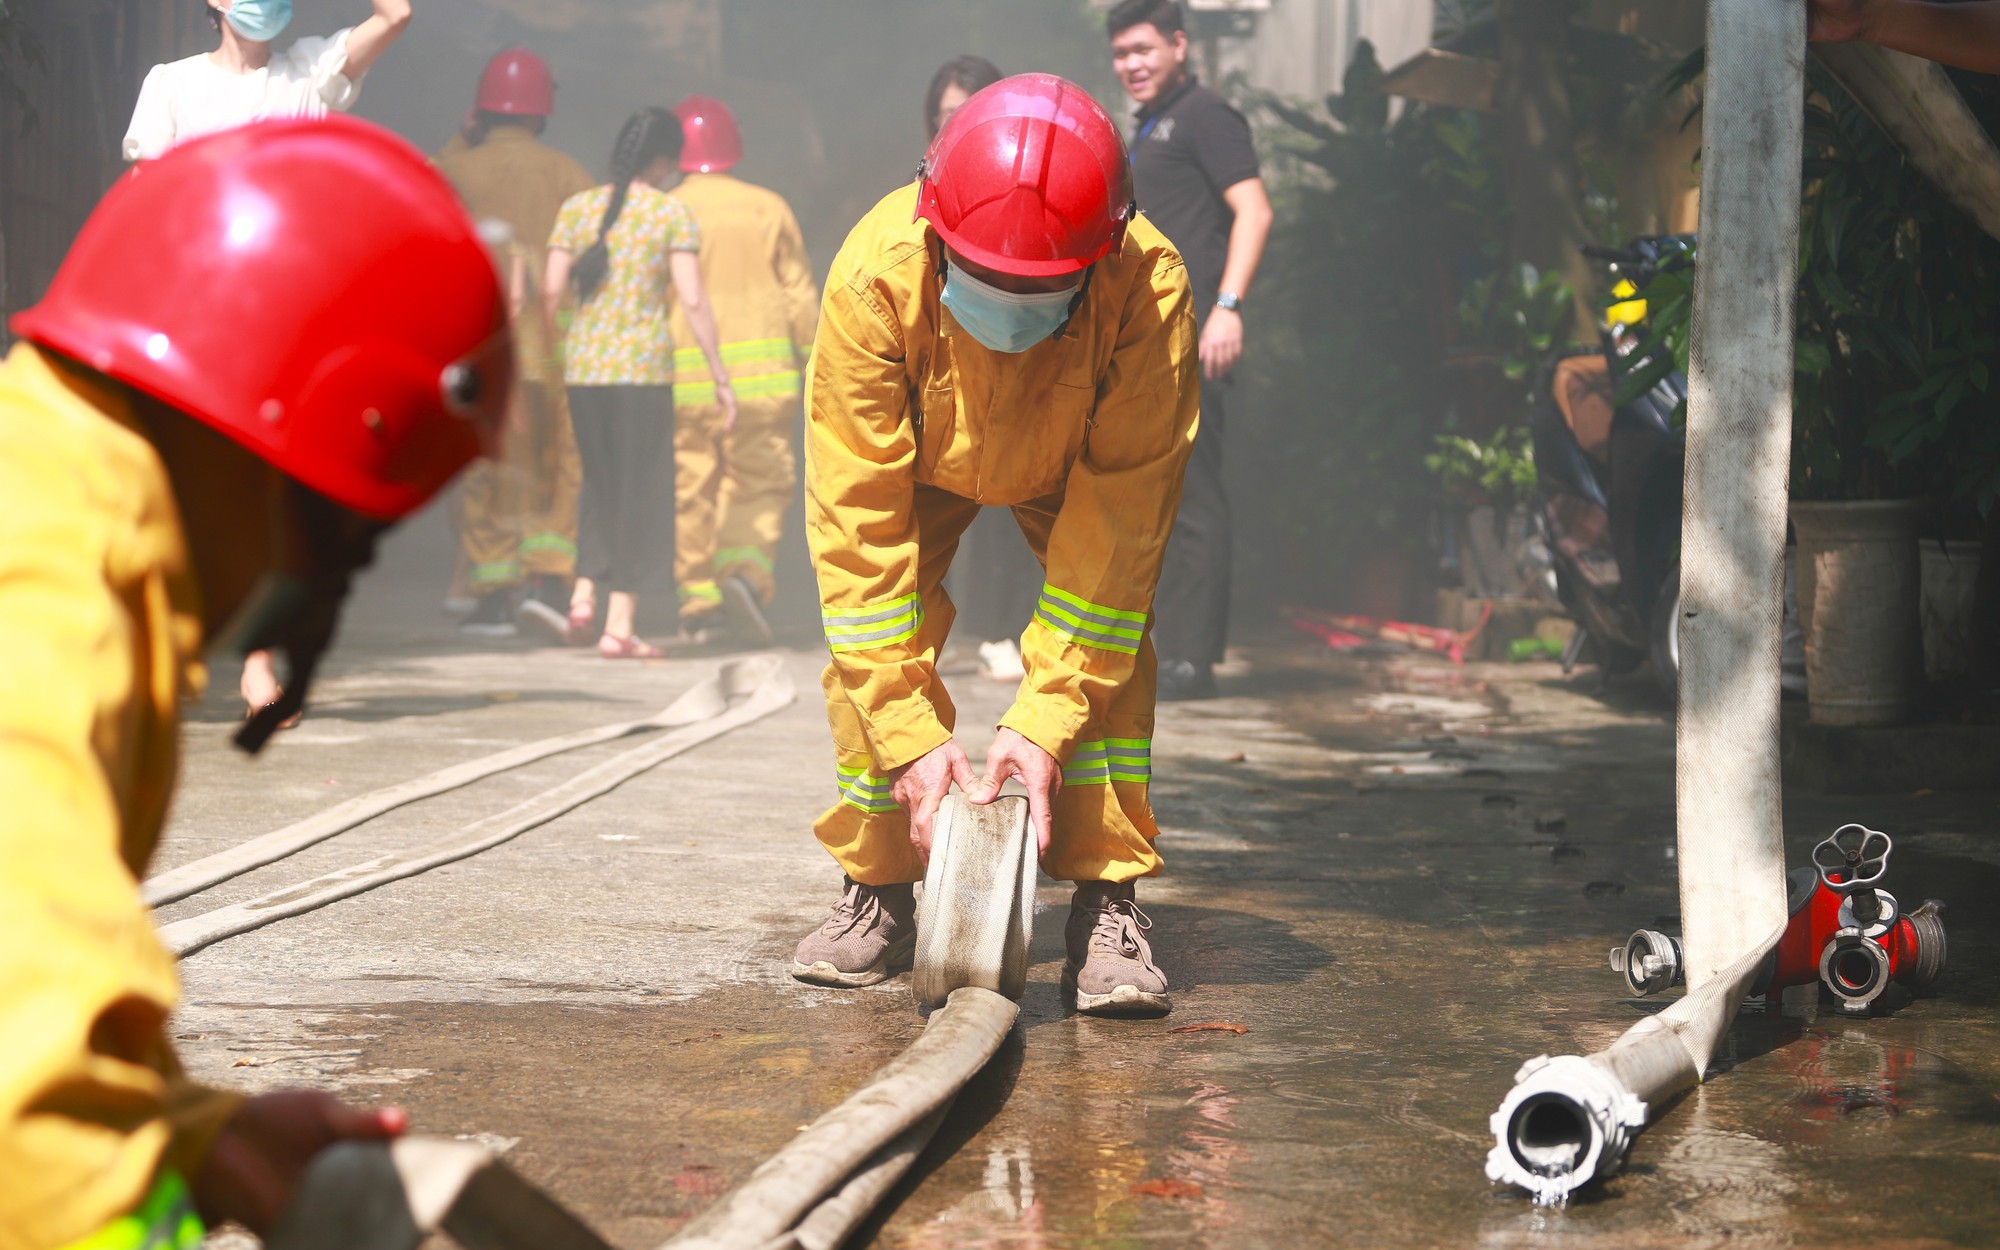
1101	761
1090	624
863	629
862	789
166	1220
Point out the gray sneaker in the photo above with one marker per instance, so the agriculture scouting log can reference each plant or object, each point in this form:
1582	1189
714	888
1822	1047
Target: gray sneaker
870	937
1110	970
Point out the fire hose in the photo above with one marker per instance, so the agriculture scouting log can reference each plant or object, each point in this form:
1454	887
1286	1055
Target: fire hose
1569	1119
974	925
739	693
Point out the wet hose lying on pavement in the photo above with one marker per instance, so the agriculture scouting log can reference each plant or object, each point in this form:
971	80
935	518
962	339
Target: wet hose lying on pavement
741	692
972	959
705	701
1569	1120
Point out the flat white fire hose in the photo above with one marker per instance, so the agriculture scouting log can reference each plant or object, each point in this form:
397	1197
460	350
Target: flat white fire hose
972	957
1569	1120
705	701
740	692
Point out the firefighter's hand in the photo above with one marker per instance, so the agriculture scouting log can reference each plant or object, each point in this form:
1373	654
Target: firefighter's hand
258	1159
1221	343
725	395
1839	21
1015	756
921	785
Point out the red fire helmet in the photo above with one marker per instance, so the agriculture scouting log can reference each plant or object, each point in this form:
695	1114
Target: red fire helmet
311	289
713	141
519	83
1029	177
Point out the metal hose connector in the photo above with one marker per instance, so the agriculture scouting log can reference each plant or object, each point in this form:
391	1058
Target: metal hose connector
1928	921
1566	1122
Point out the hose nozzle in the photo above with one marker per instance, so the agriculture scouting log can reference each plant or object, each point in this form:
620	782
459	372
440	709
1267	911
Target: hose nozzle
1566	1122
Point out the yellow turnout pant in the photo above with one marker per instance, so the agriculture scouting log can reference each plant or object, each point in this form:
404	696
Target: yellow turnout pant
1104	829
518	513
733	488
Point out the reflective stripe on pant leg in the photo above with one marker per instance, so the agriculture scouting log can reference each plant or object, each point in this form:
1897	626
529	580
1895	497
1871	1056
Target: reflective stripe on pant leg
1104	828
759	483
489	527
548	543
166	1220
700	598
873	846
697	486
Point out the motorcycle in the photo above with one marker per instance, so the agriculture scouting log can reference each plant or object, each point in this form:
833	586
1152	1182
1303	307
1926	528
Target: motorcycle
1609	501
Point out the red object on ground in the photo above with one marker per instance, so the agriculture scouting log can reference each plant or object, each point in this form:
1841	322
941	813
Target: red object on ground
518	83
311	289
1338	639
1343	630
1815	924
713	141
1029	177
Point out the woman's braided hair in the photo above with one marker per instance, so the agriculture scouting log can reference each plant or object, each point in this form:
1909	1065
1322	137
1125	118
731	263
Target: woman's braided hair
646	136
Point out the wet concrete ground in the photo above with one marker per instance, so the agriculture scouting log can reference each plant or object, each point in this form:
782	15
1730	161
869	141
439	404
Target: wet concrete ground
1398	877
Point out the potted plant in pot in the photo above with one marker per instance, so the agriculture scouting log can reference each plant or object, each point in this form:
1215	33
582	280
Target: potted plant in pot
1898	297
1898	300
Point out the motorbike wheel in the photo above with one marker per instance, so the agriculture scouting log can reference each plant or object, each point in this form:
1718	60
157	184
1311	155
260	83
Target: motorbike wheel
1665	631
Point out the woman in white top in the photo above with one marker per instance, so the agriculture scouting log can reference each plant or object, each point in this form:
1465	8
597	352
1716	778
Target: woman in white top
242	81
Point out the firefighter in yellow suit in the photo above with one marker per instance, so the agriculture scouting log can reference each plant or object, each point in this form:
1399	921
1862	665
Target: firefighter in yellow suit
735	484
1003	332
517	515
167	448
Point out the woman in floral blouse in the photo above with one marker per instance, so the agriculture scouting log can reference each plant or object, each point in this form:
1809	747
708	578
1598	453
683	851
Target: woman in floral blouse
629	248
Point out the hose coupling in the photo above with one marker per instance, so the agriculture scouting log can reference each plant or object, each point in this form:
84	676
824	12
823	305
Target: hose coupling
1650	961
1566	1122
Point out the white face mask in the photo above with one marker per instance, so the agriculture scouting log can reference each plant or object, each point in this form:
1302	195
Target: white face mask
1004	320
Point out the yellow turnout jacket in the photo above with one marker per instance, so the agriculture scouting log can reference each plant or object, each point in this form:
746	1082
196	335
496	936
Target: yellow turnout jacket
100	633
1100	418
754	266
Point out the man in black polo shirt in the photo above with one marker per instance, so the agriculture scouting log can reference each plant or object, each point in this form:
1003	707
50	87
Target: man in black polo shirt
1195	171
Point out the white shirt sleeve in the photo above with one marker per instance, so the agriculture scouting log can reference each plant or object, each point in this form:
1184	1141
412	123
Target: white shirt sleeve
152	129
323	62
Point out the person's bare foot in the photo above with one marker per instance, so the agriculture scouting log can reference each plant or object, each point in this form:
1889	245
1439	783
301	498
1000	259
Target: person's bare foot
259	687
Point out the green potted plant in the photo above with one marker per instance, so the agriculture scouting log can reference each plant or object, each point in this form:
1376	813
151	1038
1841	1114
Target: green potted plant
1898	296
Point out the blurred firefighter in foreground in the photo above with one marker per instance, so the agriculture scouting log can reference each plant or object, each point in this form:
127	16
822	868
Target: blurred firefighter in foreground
1003	331
735	482
517	515
184	459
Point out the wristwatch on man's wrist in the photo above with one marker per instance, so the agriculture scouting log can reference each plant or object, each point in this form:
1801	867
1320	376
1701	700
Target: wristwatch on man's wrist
1229	301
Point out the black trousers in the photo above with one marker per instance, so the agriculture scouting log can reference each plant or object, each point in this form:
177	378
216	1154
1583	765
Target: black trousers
1191	607
625	521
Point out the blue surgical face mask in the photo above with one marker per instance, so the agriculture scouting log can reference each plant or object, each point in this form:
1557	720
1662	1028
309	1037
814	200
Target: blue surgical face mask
1003	320
260	20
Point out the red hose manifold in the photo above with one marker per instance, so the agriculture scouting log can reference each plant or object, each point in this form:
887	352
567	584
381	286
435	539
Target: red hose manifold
1845	933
